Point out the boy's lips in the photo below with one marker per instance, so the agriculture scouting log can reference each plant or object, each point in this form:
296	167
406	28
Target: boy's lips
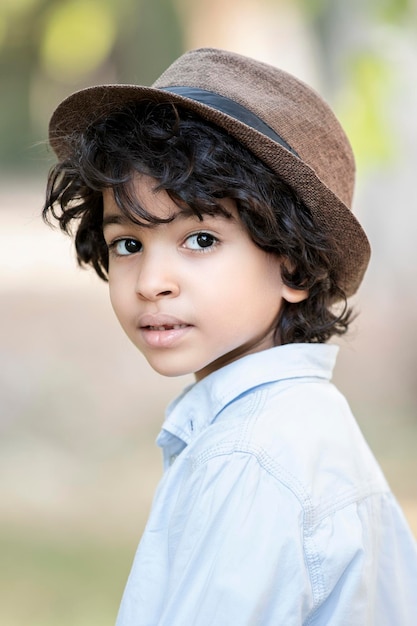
162	331
161	321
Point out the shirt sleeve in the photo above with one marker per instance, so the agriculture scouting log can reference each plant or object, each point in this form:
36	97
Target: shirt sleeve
236	549
238	545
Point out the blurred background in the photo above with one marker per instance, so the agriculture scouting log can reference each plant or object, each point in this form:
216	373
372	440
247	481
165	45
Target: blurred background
79	408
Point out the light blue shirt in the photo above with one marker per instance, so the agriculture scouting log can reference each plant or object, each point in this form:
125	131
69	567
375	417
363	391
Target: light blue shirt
272	510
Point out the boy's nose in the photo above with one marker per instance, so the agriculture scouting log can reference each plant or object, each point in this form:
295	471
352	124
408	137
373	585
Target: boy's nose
156	279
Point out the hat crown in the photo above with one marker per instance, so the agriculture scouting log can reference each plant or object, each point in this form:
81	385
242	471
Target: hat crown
287	105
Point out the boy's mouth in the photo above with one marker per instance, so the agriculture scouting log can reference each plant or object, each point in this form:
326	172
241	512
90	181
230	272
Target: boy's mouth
163	333
166	327
161	322
161	330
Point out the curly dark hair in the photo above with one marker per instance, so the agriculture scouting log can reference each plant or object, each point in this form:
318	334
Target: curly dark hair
197	164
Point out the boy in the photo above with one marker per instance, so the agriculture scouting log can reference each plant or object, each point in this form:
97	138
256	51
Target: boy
216	204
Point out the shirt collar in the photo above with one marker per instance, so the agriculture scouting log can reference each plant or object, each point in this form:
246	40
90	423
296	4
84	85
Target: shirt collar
200	403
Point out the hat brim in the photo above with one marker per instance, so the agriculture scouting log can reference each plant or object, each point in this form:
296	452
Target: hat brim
83	108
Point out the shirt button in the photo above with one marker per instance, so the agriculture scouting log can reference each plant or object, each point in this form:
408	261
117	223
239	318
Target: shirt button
172	458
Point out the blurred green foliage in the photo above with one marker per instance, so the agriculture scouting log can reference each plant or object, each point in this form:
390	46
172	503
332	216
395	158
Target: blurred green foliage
357	43
363	110
387	9
49	48
70	48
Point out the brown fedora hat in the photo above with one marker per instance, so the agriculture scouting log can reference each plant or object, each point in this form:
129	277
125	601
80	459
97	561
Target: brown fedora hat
279	118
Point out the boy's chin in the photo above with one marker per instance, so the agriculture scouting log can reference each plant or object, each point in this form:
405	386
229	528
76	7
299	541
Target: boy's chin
170	370
175	367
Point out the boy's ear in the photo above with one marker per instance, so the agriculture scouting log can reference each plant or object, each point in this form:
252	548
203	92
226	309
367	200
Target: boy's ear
294	296
291	295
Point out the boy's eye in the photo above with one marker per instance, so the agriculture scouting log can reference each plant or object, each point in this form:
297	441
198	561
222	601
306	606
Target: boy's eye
200	241
124	247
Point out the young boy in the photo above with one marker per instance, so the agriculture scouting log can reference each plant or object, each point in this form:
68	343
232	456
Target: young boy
216	204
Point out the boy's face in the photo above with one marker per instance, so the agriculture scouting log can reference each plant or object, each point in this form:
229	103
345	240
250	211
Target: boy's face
192	295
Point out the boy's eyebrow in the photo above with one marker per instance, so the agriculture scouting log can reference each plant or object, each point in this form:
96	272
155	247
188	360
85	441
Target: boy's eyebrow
119	218
115	218
123	220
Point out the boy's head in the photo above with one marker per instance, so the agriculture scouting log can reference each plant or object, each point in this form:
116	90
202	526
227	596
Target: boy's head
218	137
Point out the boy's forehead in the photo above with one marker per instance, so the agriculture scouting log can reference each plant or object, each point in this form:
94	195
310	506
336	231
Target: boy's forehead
155	202
143	189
